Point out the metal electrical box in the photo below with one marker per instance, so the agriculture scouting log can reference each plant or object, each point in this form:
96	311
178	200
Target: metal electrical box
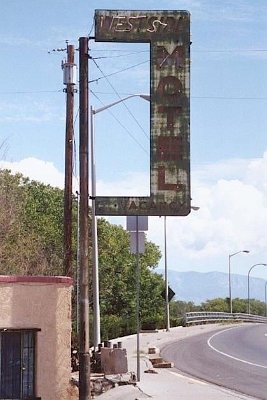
69	74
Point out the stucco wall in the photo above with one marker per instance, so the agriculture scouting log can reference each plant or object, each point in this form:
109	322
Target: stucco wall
43	303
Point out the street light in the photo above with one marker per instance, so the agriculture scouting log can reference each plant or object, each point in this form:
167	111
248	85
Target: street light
248	283
229	277
166	279
96	312
265	300
167	306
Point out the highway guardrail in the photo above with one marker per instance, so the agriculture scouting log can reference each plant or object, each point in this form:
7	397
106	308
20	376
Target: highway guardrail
203	317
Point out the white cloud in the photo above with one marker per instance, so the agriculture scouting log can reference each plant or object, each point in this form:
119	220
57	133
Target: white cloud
132	184
227	169
232	217
257	173
42	171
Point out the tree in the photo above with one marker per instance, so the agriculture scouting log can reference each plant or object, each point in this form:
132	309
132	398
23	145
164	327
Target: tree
117	276
32	243
43	218
257	307
240	305
216	305
12	201
178	309
31	226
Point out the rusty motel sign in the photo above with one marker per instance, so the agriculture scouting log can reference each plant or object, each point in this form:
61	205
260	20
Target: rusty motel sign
168	33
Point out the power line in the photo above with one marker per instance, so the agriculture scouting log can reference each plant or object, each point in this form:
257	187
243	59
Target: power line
120	55
124	104
129	94
121	124
193	50
230	50
119	50
32	91
202	97
91	29
117	72
228	98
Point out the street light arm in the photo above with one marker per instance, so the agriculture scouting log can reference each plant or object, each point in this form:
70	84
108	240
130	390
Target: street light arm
248	283
229	276
255	266
143	96
241	251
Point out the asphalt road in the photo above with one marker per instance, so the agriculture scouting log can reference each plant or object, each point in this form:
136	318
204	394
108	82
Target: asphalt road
235	358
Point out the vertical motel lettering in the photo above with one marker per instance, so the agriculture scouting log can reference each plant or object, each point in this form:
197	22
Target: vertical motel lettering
169	95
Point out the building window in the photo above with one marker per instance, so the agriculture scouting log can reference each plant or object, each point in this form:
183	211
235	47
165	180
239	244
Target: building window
17	364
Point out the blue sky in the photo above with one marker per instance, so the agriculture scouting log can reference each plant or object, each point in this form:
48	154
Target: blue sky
228	117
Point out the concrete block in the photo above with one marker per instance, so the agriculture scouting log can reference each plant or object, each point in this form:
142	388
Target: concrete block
155	360
153	350
164	364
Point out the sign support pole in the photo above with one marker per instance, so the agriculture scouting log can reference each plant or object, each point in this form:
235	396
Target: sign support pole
137	302
84	355
166	278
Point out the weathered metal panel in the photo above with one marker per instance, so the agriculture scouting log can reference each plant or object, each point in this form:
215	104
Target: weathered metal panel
114	361
169	35
135	223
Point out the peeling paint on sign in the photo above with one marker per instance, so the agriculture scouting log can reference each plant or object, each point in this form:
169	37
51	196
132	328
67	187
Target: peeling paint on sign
168	33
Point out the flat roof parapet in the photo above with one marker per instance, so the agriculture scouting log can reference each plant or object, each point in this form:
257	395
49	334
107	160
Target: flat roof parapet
36	279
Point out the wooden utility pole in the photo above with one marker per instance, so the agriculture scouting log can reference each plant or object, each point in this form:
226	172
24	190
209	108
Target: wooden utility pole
70	90
84	356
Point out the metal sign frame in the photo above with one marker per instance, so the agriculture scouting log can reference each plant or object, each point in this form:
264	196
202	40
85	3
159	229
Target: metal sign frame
168	33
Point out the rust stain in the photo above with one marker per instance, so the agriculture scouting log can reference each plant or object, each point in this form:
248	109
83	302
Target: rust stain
171	148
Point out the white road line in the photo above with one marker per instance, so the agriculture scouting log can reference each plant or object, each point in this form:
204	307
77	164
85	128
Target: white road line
228	355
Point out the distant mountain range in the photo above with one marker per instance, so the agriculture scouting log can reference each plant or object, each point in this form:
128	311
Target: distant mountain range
199	287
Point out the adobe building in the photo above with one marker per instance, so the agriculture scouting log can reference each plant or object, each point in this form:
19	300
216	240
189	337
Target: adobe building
35	337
